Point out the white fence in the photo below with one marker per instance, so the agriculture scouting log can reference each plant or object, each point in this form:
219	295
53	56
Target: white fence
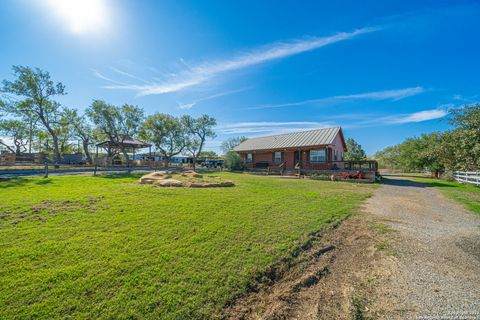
467	177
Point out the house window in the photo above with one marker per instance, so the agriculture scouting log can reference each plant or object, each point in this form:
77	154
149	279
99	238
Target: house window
335	155
249	157
277	157
318	155
343	156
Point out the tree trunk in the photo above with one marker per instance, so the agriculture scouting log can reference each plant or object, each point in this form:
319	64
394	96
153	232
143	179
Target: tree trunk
167	160
87	153
194	163
125	154
56	151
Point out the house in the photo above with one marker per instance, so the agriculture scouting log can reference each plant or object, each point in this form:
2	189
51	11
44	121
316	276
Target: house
320	149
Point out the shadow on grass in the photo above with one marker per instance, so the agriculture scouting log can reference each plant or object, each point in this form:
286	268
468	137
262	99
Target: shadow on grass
19	182
120	175
410	183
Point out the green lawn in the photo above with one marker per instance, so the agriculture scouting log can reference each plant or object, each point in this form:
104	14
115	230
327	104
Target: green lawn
88	247
468	195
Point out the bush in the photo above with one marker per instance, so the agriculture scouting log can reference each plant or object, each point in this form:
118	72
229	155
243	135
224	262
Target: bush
232	161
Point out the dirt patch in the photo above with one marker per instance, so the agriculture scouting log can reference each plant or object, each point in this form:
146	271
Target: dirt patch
333	278
39	212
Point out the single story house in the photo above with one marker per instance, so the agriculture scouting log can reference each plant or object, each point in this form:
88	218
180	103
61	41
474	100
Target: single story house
321	149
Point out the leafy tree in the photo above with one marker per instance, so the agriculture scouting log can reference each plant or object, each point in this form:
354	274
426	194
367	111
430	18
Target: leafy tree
232	160
231	143
83	130
208	155
463	143
198	130
167	133
18	132
354	150
31	95
116	123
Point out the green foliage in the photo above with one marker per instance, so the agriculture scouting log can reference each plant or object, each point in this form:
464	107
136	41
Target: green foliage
354	150
231	143
457	149
197	132
110	248
166	132
18	132
208	155
32	91
116	123
232	161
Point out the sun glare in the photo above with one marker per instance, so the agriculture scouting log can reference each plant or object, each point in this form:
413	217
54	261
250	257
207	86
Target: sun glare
81	16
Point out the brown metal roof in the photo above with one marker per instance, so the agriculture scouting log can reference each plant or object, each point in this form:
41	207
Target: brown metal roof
291	140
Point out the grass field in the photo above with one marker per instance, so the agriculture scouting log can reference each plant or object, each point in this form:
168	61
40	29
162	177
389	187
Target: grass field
468	195
107	247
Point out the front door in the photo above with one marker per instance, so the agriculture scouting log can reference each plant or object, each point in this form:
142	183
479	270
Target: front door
296	157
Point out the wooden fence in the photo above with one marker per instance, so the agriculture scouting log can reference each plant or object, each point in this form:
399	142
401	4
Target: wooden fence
471	177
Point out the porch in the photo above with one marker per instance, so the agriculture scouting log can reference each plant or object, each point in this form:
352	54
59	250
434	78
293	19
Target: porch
303	161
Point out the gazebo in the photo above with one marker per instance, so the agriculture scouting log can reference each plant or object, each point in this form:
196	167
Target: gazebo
131	144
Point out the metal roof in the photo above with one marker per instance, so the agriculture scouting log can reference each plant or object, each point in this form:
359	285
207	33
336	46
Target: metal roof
291	140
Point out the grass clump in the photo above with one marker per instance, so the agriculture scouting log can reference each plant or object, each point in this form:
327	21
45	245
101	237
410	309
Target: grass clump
109	247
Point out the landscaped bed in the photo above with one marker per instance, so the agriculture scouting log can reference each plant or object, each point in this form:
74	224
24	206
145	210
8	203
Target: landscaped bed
109	247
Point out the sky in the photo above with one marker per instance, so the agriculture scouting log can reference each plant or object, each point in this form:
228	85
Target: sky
382	70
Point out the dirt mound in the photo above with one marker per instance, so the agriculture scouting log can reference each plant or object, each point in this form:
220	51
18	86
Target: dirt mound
190	179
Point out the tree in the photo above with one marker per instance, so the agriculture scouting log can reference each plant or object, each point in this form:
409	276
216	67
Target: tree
167	133
208	155
116	123
231	143
464	140
32	91
354	150
198	130
83	131
232	160
18	132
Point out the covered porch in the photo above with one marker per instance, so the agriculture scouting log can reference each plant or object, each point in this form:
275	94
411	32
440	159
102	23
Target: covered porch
301	160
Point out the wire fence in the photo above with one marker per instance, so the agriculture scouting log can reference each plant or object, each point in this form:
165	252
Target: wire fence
471	177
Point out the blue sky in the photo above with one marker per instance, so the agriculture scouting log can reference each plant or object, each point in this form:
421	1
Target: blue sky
383	70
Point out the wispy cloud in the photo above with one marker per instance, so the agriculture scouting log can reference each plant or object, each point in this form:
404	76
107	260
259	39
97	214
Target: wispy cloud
397	94
270	127
129	75
190	105
419	116
99	75
195	75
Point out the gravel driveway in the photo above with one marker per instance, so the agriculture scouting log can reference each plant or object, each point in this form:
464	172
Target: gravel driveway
436	252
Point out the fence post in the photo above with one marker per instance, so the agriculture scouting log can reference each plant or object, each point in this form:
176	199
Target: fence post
46	170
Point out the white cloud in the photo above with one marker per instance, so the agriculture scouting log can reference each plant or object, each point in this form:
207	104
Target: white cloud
194	75
97	74
419	116
395	95
217	95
